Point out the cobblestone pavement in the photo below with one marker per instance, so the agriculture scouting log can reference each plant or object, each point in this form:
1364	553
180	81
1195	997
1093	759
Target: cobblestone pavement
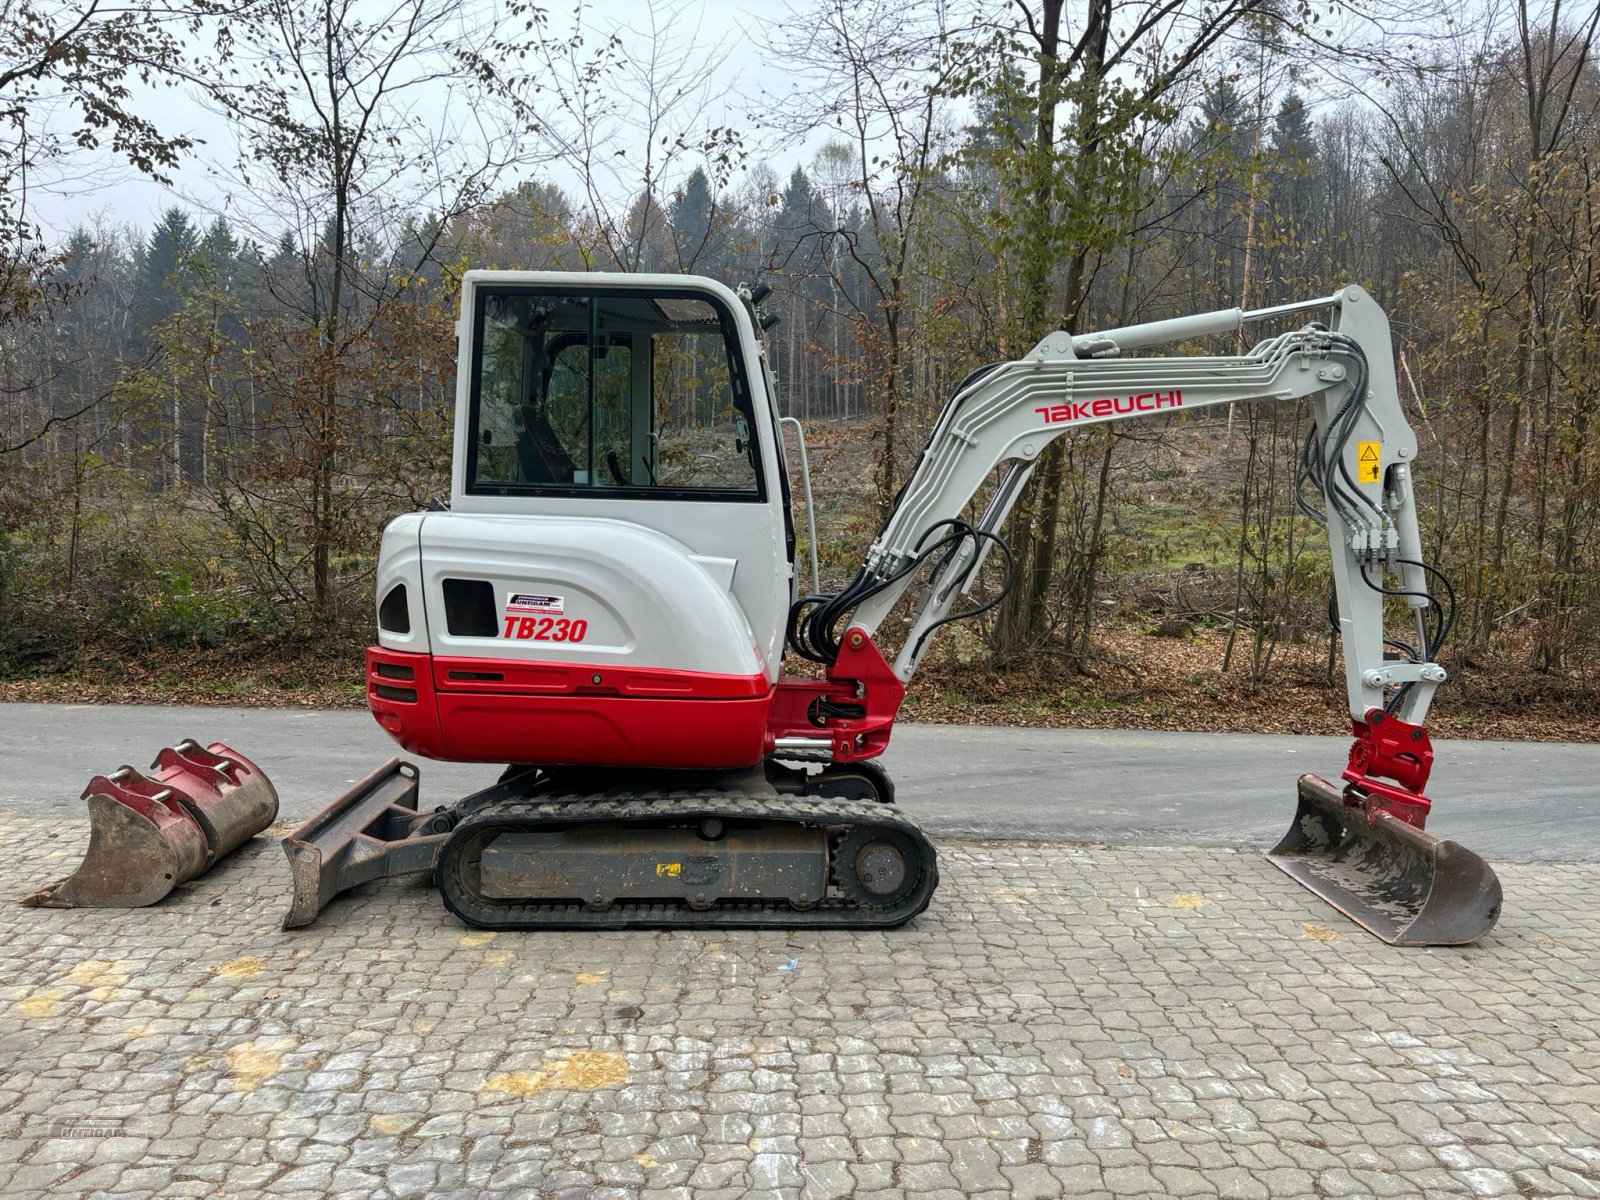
1064	1021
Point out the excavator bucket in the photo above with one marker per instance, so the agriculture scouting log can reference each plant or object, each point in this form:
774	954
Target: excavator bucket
150	833
1396	881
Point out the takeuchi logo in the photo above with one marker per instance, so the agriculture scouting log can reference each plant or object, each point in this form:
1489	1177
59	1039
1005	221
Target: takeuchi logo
1110	406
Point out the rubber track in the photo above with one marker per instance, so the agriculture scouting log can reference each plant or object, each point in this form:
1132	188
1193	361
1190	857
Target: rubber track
838	816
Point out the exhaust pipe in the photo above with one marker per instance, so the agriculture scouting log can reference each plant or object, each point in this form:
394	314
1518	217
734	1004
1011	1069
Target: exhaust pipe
150	833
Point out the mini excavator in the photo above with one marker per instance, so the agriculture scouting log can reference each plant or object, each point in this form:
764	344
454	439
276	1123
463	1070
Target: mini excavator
608	599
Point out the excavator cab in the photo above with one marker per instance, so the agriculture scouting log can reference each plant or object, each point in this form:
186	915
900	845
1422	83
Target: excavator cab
615	557
596	394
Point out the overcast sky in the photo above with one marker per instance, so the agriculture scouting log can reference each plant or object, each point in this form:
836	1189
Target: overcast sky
728	30
747	92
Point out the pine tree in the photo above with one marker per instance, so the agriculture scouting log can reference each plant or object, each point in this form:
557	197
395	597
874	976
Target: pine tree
691	216
799	257
218	253
166	263
1221	137
1294	151
802	216
645	241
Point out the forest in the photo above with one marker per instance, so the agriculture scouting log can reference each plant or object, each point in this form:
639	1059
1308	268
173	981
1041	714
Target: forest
205	424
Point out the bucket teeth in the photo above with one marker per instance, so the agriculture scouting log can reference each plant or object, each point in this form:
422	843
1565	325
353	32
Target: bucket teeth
150	833
1399	883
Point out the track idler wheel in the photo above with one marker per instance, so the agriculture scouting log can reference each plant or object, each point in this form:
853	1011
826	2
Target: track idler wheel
1394	880
150	833
876	866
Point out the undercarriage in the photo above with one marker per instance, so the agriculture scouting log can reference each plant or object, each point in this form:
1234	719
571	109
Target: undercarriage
791	844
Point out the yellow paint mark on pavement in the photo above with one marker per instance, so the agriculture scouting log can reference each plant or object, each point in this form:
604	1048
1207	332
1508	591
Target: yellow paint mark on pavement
498	958
517	1083
1318	933
582	1071
252	1063
100	976
393	1123
242	968
1188	900
645	1161
42	1003
589	977
1012	895
481	938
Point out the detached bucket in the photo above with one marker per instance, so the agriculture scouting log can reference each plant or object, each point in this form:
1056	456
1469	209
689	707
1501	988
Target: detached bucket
1394	880
226	794
148	834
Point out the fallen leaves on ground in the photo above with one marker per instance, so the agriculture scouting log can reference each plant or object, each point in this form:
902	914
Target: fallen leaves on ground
1141	681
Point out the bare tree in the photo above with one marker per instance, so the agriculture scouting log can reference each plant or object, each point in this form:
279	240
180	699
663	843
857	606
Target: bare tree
351	122
631	110
878	74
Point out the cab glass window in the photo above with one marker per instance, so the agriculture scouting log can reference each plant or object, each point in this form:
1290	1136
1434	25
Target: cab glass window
580	394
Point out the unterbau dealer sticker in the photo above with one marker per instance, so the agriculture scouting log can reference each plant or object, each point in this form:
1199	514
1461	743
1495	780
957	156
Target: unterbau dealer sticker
529	602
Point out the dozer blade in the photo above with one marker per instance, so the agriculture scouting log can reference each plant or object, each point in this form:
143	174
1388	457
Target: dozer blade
1394	880
148	834
371	832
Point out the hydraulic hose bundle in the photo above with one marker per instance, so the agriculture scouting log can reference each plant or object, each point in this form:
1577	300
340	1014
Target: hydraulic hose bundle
815	620
1336	487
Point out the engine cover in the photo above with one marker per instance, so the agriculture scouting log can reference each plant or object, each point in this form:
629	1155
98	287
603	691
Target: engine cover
563	640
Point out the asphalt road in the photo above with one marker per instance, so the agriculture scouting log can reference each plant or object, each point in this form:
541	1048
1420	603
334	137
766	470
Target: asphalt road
1508	801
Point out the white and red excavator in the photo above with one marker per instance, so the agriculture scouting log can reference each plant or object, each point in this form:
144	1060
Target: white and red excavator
608	600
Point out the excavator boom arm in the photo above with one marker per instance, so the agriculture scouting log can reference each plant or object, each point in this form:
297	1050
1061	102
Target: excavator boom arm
1006	418
1363	849
1356	467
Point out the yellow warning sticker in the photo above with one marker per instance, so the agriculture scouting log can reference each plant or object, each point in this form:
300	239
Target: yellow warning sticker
1369	461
